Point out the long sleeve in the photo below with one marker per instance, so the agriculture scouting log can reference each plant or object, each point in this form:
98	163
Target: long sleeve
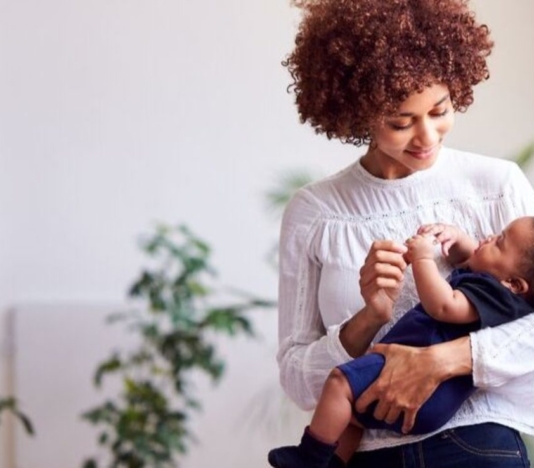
507	351
307	351
503	353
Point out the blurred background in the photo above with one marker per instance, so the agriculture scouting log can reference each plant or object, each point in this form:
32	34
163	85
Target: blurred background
118	114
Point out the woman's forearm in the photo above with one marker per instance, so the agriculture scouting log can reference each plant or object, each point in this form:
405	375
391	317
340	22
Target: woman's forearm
452	358
357	333
381	280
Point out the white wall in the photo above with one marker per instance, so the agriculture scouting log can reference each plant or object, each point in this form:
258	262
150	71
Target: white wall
118	113
501	120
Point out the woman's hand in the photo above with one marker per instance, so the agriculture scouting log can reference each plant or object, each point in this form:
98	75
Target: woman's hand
410	375
381	279
380	282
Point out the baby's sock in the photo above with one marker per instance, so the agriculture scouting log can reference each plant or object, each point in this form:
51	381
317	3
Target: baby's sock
310	453
336	462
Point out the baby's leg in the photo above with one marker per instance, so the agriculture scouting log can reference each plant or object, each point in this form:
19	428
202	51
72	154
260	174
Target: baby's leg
320	439
349	442
334	410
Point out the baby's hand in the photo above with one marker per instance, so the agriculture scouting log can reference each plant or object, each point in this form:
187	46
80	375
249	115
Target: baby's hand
446	234
420	247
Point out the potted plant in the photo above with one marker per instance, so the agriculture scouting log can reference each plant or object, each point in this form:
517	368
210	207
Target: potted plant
147	424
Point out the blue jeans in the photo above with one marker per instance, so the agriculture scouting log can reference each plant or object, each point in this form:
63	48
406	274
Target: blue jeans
485	445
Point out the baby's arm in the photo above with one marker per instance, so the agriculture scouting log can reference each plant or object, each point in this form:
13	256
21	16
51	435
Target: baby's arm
438	298
456	245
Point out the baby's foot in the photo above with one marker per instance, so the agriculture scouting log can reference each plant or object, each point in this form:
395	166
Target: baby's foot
311	453
287	457
336	462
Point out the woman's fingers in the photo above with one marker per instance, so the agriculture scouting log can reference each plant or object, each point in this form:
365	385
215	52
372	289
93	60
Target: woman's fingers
407	380
381	277
385	258
387	408
409	420
385	251
393	415
380	270
383	283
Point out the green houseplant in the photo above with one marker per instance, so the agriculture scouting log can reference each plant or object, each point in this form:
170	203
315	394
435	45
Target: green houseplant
147	425
524	156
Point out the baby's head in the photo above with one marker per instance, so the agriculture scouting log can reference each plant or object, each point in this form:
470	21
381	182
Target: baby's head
509	256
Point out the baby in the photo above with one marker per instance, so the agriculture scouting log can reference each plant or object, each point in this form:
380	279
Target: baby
493	283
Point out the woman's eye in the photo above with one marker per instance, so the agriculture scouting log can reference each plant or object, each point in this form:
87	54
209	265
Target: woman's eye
395	126
440	114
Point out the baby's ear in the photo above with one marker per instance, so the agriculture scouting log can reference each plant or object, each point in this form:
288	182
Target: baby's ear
517	285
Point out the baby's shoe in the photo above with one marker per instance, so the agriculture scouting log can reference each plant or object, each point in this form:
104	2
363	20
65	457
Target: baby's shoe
311	453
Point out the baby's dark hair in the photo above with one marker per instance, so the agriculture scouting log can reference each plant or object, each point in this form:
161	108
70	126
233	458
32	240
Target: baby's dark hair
527	265
356	61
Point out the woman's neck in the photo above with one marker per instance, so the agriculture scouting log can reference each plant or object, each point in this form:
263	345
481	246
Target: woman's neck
384	167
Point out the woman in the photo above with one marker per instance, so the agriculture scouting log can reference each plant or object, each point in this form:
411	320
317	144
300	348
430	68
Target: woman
391	74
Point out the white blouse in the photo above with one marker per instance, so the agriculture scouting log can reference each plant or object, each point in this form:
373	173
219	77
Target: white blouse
326	232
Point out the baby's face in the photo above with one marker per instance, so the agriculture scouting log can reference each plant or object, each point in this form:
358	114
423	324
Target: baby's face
501	254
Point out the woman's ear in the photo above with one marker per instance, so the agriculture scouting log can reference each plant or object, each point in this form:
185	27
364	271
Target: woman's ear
517	285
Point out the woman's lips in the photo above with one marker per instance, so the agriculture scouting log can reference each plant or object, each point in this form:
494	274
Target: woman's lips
422	154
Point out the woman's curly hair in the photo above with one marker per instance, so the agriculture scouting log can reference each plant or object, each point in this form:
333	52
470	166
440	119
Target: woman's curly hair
356	61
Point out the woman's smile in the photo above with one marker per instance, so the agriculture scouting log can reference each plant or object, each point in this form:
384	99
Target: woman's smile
422	153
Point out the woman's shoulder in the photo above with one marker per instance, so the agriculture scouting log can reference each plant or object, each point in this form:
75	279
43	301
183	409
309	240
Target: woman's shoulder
485	173
469	161
312	208
476	175
326	194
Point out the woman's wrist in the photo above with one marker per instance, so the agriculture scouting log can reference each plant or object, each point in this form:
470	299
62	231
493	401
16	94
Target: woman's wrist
374	318
452	359
357	333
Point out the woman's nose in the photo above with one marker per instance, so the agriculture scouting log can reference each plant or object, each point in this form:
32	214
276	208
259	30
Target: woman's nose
426	135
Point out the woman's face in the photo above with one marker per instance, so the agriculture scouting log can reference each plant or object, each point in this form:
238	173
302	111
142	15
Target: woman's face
409	140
